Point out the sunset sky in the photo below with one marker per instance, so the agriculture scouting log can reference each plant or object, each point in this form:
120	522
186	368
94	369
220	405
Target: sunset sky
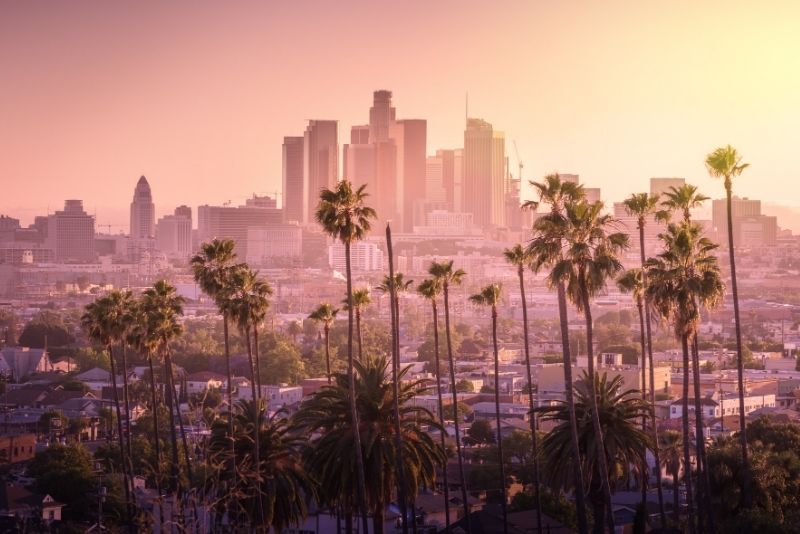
198	95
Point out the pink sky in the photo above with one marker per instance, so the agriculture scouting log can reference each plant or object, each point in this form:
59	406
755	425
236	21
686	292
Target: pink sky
198	95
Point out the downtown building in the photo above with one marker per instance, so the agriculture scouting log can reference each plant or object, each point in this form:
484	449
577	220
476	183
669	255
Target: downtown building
70	234
174	233
751	228
142	221
229	222
484	174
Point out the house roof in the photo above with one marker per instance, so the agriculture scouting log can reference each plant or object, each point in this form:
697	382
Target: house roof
94	375
205	376
15	498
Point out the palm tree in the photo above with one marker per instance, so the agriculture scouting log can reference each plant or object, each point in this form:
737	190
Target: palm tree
519	257
142	336
102	323
685	277
361	300
162	307
726	163
444	275
670	444
682	199
490	296
325	314
430	289
546	249
644	206
287	488
333	449
212	268
624	443
589	259
343	214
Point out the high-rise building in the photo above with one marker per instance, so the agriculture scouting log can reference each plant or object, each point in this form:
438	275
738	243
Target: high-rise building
434	178
143	212
320	163
451	163
381	116
484	174
750	226
174	233
410	139
592	194
293	183
659	186
70	233
233	222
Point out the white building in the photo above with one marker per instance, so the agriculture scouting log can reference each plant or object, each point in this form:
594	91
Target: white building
726	404
364	256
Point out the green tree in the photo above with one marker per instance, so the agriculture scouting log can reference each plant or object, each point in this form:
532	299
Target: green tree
325	314
343	214
66	473
46	328
480	433
624	444
725	163
333	447
465	386
670	444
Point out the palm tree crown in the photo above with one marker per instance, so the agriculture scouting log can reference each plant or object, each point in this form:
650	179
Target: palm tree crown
683	199
725	162
342	213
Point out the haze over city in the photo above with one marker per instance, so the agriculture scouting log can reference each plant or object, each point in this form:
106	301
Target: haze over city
197	96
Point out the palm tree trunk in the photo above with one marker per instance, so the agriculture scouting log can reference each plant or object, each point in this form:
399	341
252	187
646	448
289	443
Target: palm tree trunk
644	475
125	472
256	426
656	453
126	398
175	485
359	452
602	460
157	438
687	464
580	503
185	442
328	351
358	331
462	478
504	504
746	498
703	477
441	414
229	377
676	493
398	441
536	487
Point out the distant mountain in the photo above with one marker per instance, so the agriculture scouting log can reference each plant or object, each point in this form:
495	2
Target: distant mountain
788	216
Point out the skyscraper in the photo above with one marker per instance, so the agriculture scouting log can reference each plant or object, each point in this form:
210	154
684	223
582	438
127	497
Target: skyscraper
320	163
174	233
410	139
234	222
143	212
484	175
293	187
381	116
70	233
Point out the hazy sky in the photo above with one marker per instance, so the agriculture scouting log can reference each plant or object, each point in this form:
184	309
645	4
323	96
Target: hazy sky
198	95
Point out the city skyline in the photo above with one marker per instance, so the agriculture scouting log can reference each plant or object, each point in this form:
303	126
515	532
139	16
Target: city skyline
120	101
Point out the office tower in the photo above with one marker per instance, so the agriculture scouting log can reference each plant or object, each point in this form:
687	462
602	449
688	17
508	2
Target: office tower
143	212
484	174
659	186
381	116
174	233
70	233
293	186
592	194
451	161
434	178
359	135
320	163
750	226
410	139
233	222
271	246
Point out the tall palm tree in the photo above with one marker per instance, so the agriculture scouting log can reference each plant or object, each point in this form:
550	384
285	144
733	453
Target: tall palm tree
325	314
142	336
333	450
287	488
546	249
490	296
430	289
445	275
590	258
726	163
361	300
163	307
684	278
670	444
102	322
519	257
393	284
343	214
624	444
212	268
644	206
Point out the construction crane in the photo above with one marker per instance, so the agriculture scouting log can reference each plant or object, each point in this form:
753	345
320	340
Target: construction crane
519	162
